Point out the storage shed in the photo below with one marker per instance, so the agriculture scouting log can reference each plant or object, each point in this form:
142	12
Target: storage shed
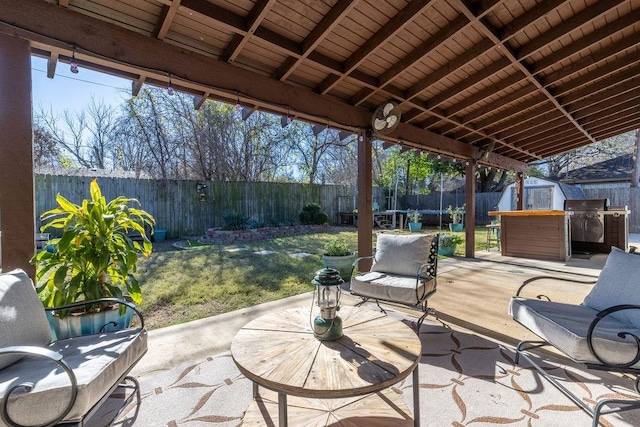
540	194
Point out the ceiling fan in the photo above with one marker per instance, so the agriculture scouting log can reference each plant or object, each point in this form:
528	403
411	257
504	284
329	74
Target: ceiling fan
386	118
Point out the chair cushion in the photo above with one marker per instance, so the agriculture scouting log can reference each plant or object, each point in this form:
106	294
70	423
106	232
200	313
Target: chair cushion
98	361
22	317
618	284
401	289
565	326
401	255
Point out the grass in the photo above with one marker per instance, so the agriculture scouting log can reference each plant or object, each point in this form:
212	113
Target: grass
179	286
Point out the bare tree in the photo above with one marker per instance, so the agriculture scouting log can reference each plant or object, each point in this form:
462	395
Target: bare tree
45	150
311	149
148	118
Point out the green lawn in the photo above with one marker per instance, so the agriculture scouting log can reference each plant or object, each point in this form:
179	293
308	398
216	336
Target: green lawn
179	286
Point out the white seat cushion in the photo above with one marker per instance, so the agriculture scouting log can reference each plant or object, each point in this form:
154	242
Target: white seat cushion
96	360
401	254
395	288
565	326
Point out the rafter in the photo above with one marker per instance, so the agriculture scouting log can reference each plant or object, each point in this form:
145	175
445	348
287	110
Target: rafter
253	21
166	19
315	37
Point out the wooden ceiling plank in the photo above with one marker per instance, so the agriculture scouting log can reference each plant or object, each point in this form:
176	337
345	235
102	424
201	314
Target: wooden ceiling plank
317	35
632	126
528	18
576	21
228	19
490	32
622	102
592	59
449	68
253	21
579	98
166	18
63	3
492	106
606	72
510	119
419	53
604	124
594	38
382	36
529	125
468	82
486	93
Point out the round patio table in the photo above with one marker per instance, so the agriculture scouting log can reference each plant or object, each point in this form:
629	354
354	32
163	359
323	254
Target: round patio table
279	352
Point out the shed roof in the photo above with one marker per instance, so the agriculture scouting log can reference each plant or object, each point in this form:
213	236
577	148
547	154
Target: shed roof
617	169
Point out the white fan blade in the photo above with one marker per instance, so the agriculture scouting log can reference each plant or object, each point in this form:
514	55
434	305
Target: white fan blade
388	108
379	124
391	121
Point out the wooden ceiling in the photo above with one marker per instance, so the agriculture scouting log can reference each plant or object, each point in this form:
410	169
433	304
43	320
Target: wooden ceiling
522	79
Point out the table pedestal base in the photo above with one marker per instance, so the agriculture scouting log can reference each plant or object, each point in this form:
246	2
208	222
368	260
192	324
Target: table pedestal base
382	409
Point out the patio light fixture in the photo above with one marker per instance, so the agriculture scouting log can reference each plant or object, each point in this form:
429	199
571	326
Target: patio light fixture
170	86
73	64
327	326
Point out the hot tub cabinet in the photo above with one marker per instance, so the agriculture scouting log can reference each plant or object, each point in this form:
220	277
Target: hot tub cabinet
535	234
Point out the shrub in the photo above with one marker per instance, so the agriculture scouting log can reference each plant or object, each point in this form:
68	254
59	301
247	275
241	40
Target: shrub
311	214
235	221
336	247
447	240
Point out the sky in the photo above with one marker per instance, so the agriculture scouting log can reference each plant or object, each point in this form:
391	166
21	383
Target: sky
67	91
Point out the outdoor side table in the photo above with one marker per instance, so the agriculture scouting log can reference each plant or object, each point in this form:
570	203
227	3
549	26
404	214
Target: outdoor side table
279	352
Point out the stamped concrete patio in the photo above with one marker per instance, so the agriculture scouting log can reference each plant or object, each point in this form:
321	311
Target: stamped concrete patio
473	295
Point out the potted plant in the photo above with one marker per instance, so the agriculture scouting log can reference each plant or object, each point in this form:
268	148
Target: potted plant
337	255
456	217
94	258
447	244
414	218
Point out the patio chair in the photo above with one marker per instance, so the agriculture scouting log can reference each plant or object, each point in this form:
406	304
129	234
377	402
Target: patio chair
64	382
601	333
404	272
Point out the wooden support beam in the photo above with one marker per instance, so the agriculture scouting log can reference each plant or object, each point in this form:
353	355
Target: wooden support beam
365	200
470	208
52	62
17	207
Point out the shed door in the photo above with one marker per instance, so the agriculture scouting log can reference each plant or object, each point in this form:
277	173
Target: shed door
535	198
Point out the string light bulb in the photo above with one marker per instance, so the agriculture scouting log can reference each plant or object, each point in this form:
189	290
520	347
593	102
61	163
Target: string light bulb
289	119
73	64
439	156
170	86
238	106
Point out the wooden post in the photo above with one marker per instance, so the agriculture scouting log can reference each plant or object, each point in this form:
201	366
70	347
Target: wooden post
17	212
365	200
470	216
520	191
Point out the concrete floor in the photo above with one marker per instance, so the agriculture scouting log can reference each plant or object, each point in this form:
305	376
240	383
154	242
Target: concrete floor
472	293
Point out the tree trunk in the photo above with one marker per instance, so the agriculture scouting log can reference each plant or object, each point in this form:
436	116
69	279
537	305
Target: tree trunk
635	172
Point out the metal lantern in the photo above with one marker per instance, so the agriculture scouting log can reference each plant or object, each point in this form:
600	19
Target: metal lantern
327	326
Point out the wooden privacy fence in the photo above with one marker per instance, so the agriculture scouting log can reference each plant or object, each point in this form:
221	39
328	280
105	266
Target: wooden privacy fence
628	196
189	208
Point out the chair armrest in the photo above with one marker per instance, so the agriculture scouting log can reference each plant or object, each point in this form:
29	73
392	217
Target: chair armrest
26	387
564	279
622	334
98	301
423	267
354	264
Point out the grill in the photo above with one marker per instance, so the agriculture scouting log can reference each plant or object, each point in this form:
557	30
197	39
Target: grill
587	221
